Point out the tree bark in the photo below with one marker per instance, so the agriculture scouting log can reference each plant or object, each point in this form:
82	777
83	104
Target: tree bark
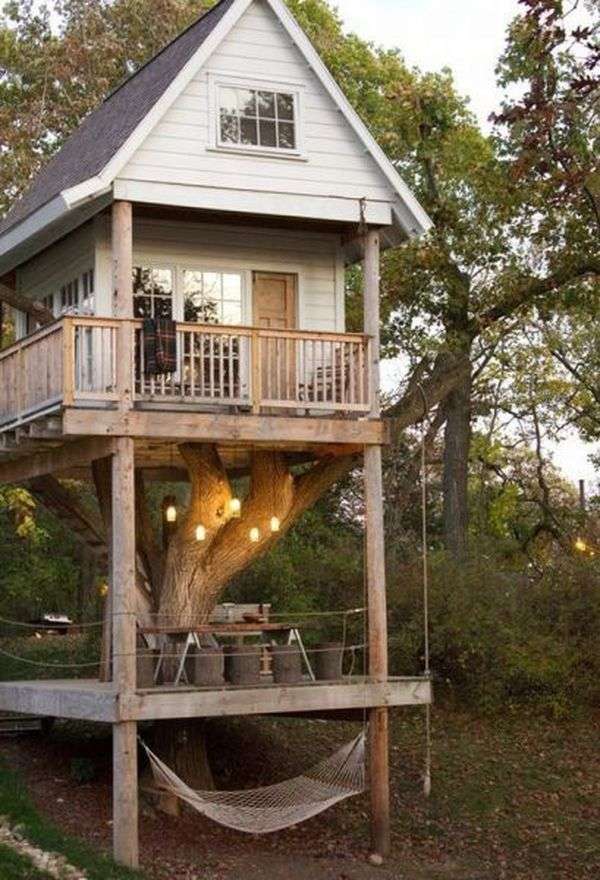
455	481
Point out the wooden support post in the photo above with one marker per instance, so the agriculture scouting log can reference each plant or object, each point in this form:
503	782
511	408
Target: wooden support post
125	777
122	254
371	272
375	551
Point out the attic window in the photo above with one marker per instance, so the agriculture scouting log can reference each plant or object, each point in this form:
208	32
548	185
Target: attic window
257	118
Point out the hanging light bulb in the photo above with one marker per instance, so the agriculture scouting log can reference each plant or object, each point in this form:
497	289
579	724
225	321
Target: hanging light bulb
275	524
200	533
254	535
235	508
169	507
580	545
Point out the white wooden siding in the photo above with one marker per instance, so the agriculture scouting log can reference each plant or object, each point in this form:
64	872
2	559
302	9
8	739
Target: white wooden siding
336	165
59	264
316	259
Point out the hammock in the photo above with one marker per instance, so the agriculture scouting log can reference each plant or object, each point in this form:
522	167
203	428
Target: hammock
263	810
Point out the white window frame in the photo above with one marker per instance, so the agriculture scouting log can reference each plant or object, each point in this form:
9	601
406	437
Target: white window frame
220	269
217	81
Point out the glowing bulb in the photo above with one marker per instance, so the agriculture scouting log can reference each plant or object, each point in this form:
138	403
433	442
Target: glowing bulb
103	589
171	513
200	533
275	524
580	545
235	508
254	535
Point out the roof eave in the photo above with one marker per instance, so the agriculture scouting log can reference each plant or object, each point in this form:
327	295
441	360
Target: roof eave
68	210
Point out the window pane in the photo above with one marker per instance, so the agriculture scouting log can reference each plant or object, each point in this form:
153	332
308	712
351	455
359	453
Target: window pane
266	105
212	285
232	313
230	129
211	311
142	306
268	134
249	133
232	287
287	136
228	101
163	307
285	106
247	102
163	281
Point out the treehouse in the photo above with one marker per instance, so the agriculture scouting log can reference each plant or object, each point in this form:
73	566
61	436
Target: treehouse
177	279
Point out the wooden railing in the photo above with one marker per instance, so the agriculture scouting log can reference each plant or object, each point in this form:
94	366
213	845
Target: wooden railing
32	374
75	361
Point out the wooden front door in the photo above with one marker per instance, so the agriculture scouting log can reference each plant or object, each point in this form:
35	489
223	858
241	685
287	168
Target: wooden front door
275	307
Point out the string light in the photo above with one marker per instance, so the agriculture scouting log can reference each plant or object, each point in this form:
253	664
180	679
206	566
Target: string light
200	533
235	508
170	509
275	524
254	535
580	545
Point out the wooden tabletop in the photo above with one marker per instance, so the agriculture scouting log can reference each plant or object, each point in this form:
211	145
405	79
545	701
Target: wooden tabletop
217	629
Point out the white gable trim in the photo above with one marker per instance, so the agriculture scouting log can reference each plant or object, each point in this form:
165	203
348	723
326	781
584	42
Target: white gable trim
422	222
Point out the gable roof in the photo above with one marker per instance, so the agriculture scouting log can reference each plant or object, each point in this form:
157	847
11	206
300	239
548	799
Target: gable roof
90	159
104	131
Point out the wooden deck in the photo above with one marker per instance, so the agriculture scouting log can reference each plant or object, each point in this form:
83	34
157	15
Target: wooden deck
91	700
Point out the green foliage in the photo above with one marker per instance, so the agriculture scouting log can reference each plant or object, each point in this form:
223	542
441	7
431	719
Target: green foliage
40	565
501	639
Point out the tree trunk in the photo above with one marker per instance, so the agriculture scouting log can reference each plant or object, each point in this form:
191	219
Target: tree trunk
457	446
196	572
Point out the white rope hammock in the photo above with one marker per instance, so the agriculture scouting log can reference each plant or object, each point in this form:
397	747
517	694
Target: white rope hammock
264	810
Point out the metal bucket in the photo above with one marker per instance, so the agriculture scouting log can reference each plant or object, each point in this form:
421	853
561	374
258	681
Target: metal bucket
287	664
242	664
328	659
208	667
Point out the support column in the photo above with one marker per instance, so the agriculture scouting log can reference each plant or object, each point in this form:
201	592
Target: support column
375	567
125	776
123	553
122	255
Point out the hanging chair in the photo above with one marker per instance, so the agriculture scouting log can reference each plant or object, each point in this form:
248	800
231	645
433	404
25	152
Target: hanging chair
264	810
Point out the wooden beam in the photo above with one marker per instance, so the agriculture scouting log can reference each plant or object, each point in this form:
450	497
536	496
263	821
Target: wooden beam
375	563
89	699
372	315
31	307
72	698
122	255
125	795
222	428
160	703
123	582
71	454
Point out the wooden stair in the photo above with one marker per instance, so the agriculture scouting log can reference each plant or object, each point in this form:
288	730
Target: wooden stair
59	500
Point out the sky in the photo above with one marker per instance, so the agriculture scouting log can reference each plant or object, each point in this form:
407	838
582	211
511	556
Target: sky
467	36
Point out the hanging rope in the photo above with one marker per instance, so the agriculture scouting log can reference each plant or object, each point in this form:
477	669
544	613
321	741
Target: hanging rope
425	541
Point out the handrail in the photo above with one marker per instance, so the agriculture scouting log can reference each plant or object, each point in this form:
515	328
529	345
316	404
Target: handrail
228	365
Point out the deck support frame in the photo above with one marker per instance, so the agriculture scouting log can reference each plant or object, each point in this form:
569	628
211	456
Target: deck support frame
123	559
378	745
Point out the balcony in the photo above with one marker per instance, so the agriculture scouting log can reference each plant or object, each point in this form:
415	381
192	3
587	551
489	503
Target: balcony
73	363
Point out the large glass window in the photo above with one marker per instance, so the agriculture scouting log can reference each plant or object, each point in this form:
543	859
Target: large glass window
152	292
255	118
212	297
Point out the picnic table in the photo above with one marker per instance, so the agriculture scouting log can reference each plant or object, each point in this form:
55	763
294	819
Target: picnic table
190	637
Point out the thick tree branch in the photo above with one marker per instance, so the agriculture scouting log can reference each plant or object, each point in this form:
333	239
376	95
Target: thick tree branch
529	290
31	307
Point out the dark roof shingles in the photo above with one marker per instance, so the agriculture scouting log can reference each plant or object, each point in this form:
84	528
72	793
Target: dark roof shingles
101	134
